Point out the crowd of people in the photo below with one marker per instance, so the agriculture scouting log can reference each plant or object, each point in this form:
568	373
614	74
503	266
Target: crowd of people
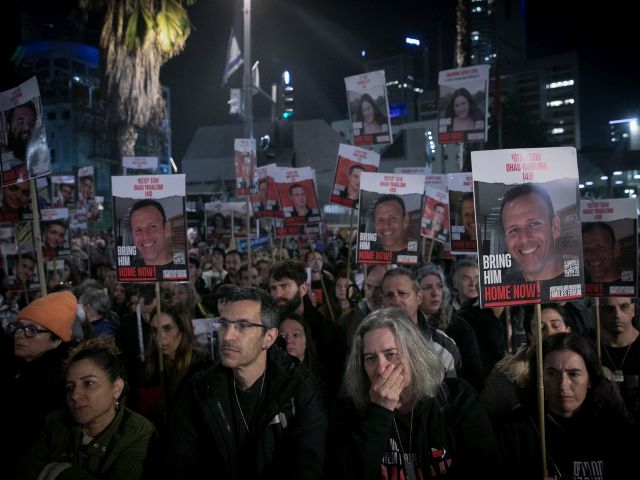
313	368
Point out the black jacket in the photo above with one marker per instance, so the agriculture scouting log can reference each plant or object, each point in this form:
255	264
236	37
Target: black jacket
291	425
452	437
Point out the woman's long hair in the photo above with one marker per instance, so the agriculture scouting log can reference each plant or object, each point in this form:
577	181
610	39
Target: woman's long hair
474	111
422	365
442	318
176	369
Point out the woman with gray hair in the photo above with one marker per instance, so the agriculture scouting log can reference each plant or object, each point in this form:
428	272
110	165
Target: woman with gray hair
99	319
401	417
437	307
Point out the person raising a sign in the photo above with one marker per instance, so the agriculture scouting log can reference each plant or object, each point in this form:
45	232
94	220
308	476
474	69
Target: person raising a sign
531	228
151	232
391	223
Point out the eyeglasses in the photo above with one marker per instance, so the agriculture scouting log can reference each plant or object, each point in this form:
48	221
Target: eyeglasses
28	330
241	325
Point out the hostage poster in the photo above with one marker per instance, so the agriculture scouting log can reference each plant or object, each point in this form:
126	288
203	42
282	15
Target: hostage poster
463	100
352	162
139	165
23	141
150	228
265	203
462	214
369	108
244	154
610	246
389	225
527	206
297	194
435	215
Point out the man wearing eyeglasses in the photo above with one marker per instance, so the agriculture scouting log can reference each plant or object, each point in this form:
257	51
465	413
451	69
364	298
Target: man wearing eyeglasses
256	414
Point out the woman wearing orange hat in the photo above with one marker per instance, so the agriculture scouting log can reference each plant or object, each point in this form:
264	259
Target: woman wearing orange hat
34	385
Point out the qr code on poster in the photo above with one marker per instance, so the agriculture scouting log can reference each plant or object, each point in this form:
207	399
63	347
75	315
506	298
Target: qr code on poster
178	258
572	268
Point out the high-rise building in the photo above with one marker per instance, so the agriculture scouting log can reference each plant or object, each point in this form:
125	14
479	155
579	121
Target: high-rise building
405	62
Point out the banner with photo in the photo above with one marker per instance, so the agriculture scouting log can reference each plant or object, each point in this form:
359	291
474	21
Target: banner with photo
389	226
462	214
610	246
54	225
139	165
297	194
18	256
435	215
463	104
244	154
63	188
86	185
225	220
265	203
369	108
352	162
149	215
23	142
527	205
78	218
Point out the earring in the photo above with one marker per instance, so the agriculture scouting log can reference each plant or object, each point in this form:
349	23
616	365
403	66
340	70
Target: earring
116	405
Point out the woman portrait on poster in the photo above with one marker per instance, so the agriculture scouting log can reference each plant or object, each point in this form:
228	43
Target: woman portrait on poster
372	118
464	112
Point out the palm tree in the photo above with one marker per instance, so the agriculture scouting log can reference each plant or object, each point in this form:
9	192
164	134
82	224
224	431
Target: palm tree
462	33
137	38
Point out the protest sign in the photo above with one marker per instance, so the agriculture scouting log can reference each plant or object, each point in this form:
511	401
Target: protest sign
463	100
265	203
23	142
244	154
54	225
610	246
63	188
139	165
435	215
150	228
297	194
389	225
86	182
369	108
352	162
462	213
527	211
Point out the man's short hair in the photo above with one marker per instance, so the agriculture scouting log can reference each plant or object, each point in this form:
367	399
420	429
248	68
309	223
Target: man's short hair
269	312
589	227
527	189
439	205
467	196
233	252
295	185
289	269
402	272
464	263
147	202
390	197
355	167
220	251
58	222
11	112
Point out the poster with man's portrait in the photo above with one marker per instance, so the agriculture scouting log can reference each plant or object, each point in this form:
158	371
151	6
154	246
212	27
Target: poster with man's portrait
54	226
610	246
265	203
139	165
21	271
78	218
463	101
63	189
389	220
244	154
352	162
435	215
462	214
149	215
15	202
226	220
86	184
527	206
369	108
23	142
297	194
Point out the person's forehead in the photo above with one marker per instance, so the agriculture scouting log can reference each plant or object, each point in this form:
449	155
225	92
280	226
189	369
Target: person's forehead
399	281
431	279
616	301
468	271
598	235
529	201
291	324
242	310
388	206
549	314
22	111
282	281
147	211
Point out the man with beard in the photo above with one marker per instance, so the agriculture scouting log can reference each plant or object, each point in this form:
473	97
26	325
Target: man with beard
232	264
21	120
288	286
